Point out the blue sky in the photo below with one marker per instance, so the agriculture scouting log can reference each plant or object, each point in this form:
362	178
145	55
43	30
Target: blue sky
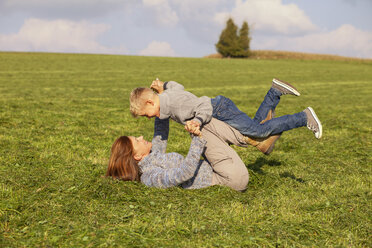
184	28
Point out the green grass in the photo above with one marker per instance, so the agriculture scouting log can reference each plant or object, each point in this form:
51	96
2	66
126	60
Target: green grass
60	114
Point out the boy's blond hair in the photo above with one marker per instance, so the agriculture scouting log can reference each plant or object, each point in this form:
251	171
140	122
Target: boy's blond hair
137	99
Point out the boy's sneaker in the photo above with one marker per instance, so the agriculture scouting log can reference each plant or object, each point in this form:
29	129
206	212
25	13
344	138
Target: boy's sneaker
284	87
313	123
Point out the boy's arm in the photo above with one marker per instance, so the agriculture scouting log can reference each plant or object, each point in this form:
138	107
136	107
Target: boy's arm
160	86
172	85
203	110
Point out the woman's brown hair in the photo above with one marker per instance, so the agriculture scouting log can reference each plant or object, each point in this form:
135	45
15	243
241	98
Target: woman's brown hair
122	164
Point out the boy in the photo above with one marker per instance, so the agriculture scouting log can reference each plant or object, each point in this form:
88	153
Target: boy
262	131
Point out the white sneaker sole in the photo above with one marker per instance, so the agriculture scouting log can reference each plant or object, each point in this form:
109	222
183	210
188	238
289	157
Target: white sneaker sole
319	134
286	86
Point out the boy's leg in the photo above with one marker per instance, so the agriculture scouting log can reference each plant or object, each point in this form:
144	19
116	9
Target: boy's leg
313	123
272	98
269	103
279	125
225	110
284	123
267	108
231	115
287	122
265	145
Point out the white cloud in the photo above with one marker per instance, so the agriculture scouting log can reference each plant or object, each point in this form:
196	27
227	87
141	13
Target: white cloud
197	9
71	9
345	41
162	12
196	17
158	48
269	16
57	36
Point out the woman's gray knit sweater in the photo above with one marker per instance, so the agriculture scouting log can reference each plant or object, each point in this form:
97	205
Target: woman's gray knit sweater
164	170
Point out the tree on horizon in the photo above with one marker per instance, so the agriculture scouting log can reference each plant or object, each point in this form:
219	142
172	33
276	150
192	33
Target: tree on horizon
244	40
231	44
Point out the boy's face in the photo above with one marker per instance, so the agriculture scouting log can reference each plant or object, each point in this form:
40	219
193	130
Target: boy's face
150	110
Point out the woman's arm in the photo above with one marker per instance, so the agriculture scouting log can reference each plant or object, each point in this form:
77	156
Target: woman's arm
168	177
161	132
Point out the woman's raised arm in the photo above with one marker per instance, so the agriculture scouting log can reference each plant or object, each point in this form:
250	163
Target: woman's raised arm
161	132
168	177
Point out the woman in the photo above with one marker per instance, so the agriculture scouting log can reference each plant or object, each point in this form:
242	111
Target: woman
135	159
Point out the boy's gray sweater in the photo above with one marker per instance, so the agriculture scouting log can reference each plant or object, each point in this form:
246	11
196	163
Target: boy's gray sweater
182	106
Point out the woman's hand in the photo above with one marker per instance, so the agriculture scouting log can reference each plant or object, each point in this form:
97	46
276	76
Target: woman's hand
157	86
193	127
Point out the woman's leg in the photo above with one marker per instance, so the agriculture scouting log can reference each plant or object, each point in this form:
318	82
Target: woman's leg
229	169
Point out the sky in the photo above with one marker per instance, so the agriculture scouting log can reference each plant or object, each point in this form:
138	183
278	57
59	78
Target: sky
184	28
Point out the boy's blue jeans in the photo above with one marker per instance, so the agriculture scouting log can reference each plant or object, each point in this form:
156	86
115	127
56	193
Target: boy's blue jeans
225	110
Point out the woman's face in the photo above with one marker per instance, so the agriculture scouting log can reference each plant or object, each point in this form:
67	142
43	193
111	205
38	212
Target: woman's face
141	147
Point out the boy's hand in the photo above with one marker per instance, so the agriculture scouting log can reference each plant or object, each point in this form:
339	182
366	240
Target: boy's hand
193	127
194	123
157	86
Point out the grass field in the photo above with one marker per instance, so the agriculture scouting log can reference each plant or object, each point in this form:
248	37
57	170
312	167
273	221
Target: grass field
60	114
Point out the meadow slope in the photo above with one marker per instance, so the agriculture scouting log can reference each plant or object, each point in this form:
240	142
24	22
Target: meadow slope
60	114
